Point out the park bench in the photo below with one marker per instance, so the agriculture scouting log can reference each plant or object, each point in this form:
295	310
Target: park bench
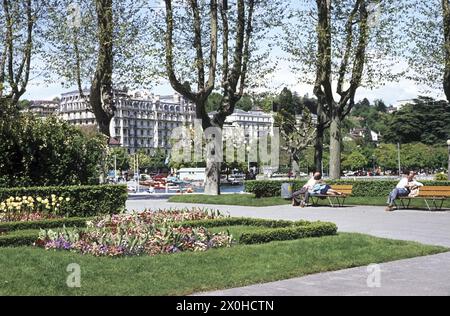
334	200
432	195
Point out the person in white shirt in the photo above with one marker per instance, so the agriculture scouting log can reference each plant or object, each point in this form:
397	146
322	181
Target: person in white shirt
302	197
403	189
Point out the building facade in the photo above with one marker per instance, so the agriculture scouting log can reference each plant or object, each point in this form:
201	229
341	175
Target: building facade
143	121
255	123
43	109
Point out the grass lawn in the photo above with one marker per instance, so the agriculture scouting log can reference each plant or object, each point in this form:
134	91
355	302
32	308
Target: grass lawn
32	271
229	199
250	200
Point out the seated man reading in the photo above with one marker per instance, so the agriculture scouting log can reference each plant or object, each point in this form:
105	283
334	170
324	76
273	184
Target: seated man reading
403	189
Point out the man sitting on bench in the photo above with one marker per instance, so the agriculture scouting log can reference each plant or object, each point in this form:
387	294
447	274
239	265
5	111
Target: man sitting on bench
302	197
403	189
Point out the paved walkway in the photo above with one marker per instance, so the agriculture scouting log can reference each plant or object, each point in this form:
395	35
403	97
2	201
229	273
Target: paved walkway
420	276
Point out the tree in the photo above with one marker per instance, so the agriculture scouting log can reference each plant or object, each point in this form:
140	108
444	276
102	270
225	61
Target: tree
416	156
428	30
297	132
353	45
355	161
424	120
246	22
380	106
18	21
119	157
245	103
213	102
286	102
36	152
387	156
296	124
92	46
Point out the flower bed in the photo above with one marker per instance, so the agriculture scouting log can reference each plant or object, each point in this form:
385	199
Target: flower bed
29	209
158	217
147	233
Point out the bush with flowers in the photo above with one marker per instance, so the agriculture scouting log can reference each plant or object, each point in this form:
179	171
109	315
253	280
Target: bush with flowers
147	233
28	208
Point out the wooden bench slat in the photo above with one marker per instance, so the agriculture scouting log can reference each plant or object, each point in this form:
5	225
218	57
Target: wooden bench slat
434	192
342	187
435	188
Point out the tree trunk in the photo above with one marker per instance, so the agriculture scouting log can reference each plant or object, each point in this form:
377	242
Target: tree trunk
446	15
101	96
335	147
318	148
212	184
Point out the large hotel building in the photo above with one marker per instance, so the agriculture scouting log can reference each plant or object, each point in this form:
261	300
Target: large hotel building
144	121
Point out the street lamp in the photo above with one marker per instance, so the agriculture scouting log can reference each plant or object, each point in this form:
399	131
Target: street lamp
448	143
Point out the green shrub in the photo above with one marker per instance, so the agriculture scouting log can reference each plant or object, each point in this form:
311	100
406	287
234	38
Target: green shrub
374	188
236	221
45	224
289	233
19	238
85	201
441	177
51	152
268	188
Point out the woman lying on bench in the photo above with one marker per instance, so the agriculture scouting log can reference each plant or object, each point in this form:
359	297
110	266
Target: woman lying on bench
325	189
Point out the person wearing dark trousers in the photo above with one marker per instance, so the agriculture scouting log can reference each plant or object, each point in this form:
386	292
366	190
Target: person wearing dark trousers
403	189
301	197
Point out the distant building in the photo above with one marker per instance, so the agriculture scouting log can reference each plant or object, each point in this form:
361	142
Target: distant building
360	133
142	121
43	108
391	109
254	123
356	133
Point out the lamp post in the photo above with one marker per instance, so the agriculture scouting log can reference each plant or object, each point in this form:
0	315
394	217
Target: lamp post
116	178
448	143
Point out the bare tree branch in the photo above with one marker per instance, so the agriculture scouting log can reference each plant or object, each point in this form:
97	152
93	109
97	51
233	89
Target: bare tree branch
348	47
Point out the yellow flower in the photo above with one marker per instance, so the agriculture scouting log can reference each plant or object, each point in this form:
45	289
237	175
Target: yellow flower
67	199
61	198
39	199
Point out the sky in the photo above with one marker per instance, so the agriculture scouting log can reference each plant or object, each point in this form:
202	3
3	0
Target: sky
391	93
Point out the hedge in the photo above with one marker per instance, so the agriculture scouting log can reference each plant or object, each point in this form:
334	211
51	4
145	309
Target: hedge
85	201
277	230
19	238
45	224
289	233
237	221
374	188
